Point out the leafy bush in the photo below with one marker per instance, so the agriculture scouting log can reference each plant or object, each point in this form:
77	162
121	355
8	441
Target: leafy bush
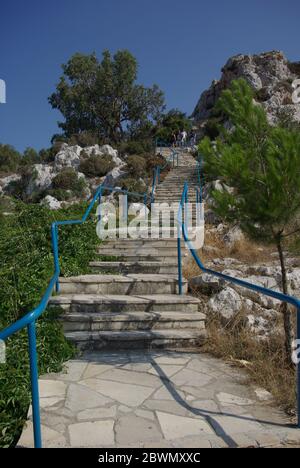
173	122
136	147
59	194
9	159
136	165
26	268
154	160
68	179
132	185
48	155
212	128
17	188
84	139
95	166
30	156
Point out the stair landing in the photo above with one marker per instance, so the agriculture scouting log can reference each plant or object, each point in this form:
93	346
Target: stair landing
156	400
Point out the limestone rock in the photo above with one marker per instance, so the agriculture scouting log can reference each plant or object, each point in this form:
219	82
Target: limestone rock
226	303
68	156
233	235
206	283
5	181
51	203
270	74
41	179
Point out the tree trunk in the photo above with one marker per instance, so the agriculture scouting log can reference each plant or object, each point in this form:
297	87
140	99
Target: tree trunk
285	308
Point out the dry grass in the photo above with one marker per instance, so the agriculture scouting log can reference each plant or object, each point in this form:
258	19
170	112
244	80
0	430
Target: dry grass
245	251
264	361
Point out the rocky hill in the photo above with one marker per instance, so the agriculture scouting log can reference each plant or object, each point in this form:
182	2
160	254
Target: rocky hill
270	74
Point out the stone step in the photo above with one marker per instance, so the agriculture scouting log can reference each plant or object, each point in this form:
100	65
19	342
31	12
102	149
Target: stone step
133	284
134	267
97	303
137	250
149	243
131	257
132	321
154	339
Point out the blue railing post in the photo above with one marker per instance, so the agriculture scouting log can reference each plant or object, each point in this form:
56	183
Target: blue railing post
179	252
145	204
99	200
186	214
54	238
34	378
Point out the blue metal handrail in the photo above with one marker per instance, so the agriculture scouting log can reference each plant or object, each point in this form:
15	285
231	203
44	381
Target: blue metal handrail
267	292
29	320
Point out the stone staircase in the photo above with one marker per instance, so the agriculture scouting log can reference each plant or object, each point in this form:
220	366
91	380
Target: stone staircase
131	300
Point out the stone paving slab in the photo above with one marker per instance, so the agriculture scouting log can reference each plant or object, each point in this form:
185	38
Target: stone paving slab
156	399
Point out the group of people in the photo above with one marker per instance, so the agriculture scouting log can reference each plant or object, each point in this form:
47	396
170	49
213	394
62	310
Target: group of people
183	138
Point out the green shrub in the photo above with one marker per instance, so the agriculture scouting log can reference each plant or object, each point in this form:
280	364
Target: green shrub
30	156
9	159
68	179
96	166
154	160
132	185
136	165
84	139
135	147
48	155
26	268
59	194
18	188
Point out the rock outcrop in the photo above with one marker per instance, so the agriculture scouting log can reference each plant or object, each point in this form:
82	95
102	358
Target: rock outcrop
39	178
270	74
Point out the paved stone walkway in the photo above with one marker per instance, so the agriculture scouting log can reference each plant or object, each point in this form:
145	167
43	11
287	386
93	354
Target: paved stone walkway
139	399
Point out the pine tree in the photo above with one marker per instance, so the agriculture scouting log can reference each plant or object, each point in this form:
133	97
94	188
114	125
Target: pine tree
262	164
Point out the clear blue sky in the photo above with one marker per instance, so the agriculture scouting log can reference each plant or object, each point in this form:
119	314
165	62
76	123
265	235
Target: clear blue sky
180	45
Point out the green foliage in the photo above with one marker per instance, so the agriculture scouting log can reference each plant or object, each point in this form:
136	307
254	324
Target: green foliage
136	165
17	188
9	159
173	122
154	160
30	156
48	155
132	185
139	147
60	194
26	268
212	128
96	166
261	163
68	179
102	98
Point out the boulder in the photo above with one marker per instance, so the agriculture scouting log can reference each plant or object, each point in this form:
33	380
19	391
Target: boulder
5	181
270	74
206	284
113	176
41	179
68	156
227	303
51	203
102	151
233	235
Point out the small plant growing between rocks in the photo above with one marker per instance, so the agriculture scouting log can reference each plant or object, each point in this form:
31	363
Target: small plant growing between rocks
94	166
68	179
